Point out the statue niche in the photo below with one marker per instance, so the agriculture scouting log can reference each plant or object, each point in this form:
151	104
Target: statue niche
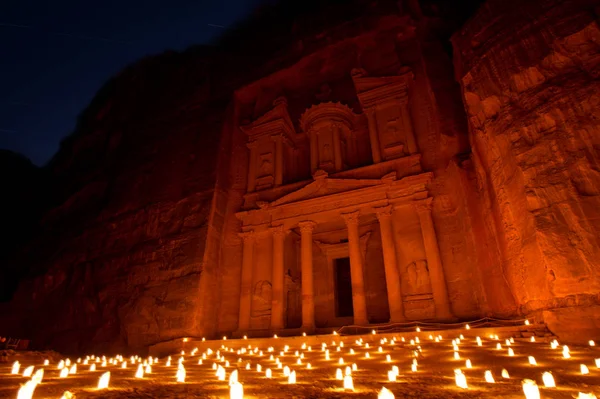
418	278
261	299
418	297
329	127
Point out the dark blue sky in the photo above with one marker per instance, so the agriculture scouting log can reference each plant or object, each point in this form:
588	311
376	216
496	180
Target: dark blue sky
54	56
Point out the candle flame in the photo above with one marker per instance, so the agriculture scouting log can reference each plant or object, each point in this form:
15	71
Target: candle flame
460	379
26	391
548	380
489	377
348	384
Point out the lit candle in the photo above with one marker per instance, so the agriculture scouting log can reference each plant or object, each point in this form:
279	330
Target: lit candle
181	373
548	380
28	371
348	384
531	389
104	380
64	373
385	394
468	364
292	377
26	391
268	373
338	374
505	373
460	378
511	352
140	371
236	391
489	377
584	369
532	360
391	376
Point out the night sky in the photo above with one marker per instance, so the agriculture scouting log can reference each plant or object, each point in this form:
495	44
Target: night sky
54	56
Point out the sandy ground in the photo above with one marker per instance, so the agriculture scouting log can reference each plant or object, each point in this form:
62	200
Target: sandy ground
433	379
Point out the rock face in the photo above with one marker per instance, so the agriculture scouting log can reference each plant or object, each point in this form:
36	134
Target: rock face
529	78
142	243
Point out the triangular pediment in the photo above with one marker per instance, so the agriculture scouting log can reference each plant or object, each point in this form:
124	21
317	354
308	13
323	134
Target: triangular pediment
323	187
277	118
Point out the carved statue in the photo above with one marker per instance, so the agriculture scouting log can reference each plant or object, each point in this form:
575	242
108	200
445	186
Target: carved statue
261	299
418	277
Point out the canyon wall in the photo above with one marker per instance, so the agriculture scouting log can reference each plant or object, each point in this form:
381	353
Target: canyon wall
529	77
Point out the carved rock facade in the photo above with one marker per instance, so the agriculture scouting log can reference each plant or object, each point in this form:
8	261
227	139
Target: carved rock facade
340	183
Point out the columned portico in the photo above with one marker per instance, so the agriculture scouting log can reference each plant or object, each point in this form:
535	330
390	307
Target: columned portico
356	269
432	251
246	280
308	300
278	279
392	275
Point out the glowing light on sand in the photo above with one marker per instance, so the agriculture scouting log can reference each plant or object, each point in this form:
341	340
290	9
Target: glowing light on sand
566	354
530	389
26	391
456	356
268	373
584	369
460	379
140	372
413	368
489	377
505	373
532	339
104	380
354	367
338	374
93	367
526	322
597	361
385	394
15	367
64	373
479	343
308	366
468	364
341	360
468	327
348	384
591	342
292	377
511	352
148	369
73	369
582	395
548	380
46	362
286	371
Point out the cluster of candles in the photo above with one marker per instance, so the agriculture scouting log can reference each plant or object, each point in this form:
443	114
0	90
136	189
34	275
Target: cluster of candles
272	360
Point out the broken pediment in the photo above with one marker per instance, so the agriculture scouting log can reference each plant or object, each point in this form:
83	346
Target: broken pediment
375	90
324	186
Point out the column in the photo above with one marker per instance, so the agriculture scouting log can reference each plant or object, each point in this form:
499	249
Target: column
278	159
373	135
252	166
246	280
278	279
392	275
314	158
308	294
359	301
337	151
434	262
409	134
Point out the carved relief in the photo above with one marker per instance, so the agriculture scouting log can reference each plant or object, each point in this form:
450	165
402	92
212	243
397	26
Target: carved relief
385	102
418	278
261	299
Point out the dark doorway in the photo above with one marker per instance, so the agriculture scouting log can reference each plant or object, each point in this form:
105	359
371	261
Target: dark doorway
343	288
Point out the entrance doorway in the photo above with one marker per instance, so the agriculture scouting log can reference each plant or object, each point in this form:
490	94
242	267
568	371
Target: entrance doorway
343	288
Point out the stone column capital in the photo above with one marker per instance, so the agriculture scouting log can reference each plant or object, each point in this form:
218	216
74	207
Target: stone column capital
423	206
278	231
351	218
307	226
384	212
247	236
